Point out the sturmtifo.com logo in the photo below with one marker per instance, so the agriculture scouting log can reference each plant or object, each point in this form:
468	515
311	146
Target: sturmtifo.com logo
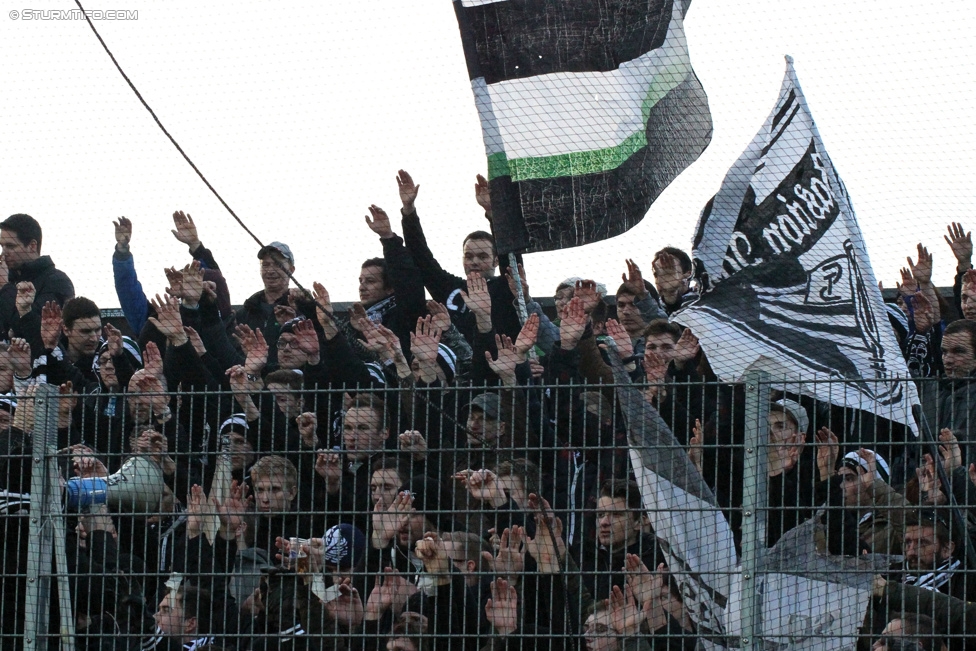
74	14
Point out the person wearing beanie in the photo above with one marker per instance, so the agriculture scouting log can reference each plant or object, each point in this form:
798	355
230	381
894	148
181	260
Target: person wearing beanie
863	476
791	469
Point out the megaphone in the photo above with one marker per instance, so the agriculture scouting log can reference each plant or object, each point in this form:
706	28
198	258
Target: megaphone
137	486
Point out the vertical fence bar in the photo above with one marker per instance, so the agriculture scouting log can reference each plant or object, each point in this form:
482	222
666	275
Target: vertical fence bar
40	541
754	501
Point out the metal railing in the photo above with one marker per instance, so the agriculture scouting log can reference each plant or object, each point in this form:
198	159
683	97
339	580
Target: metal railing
133	528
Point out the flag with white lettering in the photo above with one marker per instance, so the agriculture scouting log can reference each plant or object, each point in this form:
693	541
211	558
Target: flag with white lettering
787	286
588	110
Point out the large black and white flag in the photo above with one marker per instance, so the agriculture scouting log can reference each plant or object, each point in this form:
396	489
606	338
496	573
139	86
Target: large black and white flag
787	284
808	599
588	111
695	536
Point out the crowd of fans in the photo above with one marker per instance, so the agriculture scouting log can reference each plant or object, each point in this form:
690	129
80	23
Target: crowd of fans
430	474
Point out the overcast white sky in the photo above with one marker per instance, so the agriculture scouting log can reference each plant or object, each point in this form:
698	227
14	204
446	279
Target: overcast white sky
301	115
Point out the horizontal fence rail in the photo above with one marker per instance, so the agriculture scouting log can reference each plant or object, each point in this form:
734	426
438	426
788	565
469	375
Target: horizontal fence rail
564	516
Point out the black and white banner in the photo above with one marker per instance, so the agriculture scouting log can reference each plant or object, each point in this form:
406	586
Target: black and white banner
589	110
694	535
787	283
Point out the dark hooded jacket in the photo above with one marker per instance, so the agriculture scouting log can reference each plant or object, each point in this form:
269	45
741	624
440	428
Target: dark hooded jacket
50	284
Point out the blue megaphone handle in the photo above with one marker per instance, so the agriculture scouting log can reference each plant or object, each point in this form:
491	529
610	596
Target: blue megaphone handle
83	493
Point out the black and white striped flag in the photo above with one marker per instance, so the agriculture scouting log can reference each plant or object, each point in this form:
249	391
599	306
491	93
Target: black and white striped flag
787	283
588	110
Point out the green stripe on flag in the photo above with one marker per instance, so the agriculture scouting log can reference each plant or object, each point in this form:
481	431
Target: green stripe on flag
594	161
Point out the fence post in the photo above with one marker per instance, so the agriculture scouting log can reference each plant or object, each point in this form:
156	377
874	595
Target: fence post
46	530
754	501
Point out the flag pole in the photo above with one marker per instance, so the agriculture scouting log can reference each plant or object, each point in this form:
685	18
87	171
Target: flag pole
519	294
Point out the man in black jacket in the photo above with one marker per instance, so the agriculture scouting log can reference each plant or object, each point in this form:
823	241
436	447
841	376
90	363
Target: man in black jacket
269	308
20	239
445	287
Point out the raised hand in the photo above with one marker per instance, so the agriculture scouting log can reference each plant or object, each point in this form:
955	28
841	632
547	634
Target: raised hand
25	297
186	230
284	313
408	191
85	463
380	223
655	366
358	318
67	401
175	280
195	339
308	424
413	443
509	561
123	233
695	447
376	341
625	614
923	315
192	284
547	528
113	337
922	270
234	507
625	346
504	365
867	477
168	320
501	609
19	356
641	580
908	286
961	243
392	591
347	608
430	550
949	450
572	326
527	336
51	325
152	360
150	443
440	318
478	300
307	340
928	484
196	509
324	312
425	340
686	348
387	522
328	466
657	603
483	486
827	450
257	353
588	295
482	194
634	281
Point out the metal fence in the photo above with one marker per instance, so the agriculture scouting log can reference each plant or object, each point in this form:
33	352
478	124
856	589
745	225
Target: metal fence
677	516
